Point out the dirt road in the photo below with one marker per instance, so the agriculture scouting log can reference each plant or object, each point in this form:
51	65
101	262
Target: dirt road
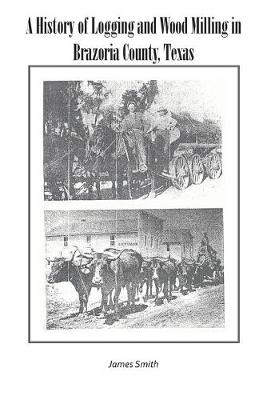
203	308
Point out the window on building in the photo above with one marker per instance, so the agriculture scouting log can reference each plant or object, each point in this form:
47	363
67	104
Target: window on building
89	240
66	241
151	241
168	247
145	240
112	239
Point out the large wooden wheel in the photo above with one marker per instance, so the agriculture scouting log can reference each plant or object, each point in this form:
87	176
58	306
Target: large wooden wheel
197	169
214	166
182	173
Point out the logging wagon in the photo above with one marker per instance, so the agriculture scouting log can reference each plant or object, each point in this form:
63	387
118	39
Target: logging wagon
194	156
192	162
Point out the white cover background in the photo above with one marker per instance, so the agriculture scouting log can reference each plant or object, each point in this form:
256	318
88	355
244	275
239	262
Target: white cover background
80	370
226	80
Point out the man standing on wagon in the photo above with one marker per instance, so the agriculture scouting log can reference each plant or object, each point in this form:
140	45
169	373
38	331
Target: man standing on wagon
133	126
161	131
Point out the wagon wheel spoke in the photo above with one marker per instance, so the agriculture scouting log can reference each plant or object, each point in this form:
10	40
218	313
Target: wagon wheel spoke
215	167
181	180
182	176
197	169
183	173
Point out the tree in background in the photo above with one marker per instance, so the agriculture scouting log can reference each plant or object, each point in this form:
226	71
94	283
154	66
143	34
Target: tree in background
60	105
94	96
143	98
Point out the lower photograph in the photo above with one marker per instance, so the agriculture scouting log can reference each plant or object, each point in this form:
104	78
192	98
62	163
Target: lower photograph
134	269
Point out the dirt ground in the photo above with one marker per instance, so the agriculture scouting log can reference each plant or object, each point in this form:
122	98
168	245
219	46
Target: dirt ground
203	308
209	187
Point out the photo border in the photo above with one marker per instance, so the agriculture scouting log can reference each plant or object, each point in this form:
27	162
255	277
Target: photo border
238	195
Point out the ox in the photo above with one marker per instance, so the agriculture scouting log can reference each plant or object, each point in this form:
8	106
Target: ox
185	273
78	271
164	276
114	270
146	277
207	268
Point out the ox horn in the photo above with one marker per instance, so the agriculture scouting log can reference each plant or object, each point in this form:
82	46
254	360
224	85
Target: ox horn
111	255
50	260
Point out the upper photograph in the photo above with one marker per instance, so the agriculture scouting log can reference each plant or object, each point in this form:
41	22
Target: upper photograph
106	140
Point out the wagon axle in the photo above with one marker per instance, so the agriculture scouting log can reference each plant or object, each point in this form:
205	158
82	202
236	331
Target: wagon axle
189	167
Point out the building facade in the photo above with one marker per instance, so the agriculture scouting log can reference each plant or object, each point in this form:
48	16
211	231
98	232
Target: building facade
177	244
122	229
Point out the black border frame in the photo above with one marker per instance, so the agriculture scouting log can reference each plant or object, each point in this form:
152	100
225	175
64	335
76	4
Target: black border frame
29	196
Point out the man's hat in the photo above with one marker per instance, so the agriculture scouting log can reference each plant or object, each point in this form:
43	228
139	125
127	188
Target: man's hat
162	109
131	102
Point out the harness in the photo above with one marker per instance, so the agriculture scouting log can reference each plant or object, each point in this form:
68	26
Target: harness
83	260
78	269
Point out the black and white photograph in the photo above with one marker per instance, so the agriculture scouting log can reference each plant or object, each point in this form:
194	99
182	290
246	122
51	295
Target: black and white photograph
132	139
142	268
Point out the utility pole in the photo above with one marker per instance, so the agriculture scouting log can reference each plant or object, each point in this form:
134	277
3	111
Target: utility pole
70	155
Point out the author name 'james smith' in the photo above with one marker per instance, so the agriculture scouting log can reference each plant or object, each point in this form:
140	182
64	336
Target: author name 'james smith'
133	364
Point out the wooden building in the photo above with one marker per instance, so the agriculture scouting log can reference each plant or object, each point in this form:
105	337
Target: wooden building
132	229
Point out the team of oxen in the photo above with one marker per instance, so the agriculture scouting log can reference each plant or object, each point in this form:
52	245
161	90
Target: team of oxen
113	270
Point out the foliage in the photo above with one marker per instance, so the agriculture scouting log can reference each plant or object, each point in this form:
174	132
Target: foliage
64	101
143	98
93	99
207	131
61	103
